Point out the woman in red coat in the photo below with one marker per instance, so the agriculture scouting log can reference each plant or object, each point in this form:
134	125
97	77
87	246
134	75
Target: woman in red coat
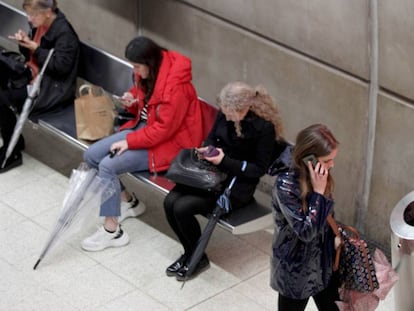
168	118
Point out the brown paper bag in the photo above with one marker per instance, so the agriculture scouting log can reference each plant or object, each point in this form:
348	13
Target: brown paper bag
95	113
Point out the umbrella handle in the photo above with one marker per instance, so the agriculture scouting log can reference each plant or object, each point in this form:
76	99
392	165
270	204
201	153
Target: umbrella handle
243	168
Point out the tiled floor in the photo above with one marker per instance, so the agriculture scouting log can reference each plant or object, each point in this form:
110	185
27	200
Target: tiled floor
129	278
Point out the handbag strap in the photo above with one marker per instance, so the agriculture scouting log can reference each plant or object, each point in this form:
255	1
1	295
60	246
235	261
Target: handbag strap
338	232
335	228
85	87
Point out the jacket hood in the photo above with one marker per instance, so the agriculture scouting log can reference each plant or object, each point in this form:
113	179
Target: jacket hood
175	69
283	162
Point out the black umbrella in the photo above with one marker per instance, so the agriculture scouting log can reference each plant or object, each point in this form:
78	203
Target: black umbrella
27	107
223	206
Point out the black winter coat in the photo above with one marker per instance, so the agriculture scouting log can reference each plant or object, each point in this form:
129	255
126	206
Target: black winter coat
58	86
303	244
256	146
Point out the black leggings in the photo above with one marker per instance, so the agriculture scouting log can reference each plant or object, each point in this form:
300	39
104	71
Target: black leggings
181	205
11	98
324	300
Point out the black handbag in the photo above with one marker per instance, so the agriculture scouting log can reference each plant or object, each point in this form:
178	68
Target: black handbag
187	169
15	72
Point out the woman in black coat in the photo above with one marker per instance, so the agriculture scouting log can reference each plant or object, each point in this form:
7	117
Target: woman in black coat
245	129
303	245
51	30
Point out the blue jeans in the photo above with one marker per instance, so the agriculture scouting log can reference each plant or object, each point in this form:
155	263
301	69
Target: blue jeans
97	156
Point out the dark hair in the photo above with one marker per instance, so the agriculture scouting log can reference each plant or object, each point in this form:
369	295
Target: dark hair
40	4
143	50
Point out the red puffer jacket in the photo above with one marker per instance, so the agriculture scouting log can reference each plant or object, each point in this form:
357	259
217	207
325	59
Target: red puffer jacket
174	114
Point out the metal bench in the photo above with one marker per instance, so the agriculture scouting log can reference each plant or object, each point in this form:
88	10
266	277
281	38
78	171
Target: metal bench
52	139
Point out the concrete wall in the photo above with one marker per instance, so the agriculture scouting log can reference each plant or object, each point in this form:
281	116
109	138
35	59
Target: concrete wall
312	56
105	24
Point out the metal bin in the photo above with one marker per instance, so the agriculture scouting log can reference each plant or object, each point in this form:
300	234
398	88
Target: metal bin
402	252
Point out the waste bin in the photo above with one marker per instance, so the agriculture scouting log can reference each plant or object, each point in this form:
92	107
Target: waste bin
402	252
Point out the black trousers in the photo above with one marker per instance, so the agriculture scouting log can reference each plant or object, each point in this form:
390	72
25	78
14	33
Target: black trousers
324	300
11	98
181	205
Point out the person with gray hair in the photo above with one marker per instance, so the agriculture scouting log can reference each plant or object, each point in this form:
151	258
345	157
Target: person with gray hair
49	30
247	128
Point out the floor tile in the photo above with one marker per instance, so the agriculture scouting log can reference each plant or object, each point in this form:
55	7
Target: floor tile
34	198
132	302
127	278
91	287
229	300
9	216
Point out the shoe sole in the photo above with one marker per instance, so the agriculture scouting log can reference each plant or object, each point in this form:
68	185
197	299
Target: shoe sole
112	245
170	274
182	279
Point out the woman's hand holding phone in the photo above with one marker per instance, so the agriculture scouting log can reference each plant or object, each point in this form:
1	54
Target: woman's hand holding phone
23	39
318	174
211	154
127	99
19	36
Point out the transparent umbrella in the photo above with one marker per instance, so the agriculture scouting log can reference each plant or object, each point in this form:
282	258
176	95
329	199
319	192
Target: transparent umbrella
27	107
86	190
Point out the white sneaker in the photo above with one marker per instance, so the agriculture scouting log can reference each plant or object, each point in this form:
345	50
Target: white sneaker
102	239
132	208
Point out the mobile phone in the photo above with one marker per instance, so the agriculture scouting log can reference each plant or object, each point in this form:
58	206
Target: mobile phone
15	38
311	158
210	152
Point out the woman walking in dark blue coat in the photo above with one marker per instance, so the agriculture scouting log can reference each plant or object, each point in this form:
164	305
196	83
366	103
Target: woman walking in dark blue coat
303	246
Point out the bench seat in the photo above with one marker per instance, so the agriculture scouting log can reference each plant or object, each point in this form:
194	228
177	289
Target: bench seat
52	138
63	152
253	217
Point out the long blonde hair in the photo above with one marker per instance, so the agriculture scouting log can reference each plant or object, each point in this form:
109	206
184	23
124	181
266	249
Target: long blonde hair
318	140
238	95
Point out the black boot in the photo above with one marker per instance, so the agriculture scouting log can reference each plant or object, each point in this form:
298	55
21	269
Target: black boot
176	265
13	161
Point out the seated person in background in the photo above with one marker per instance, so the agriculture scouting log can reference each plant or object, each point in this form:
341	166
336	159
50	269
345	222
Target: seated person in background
303	246
246	128
168	118
51	30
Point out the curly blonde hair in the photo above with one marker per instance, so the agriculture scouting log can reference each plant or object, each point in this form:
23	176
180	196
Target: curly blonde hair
236	96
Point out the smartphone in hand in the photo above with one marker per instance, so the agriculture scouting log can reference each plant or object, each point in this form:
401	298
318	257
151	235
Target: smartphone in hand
211	151
311	158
